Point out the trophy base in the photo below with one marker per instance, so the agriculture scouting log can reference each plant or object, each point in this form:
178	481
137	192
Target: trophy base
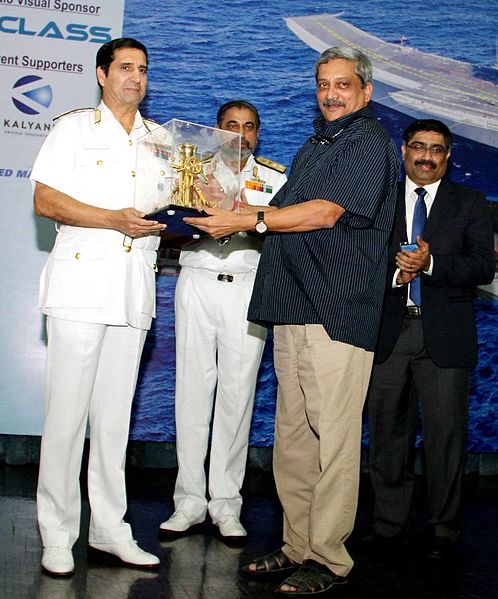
172	216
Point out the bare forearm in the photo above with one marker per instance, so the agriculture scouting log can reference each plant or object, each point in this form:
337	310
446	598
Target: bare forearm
315	214
309	216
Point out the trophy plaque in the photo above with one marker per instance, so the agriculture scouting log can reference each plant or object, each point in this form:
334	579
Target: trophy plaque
183	167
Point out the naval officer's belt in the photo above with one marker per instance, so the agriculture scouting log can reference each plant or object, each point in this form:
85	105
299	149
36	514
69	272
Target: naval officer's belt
221	276
413	311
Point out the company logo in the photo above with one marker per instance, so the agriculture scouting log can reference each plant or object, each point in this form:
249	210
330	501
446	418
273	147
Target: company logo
31	95
76	32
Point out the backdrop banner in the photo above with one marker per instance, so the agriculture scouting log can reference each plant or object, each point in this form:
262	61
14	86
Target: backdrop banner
202	55
47	67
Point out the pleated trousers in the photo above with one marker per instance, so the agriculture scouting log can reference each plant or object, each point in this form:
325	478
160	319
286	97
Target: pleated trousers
406	381
218	353
91	375
322	386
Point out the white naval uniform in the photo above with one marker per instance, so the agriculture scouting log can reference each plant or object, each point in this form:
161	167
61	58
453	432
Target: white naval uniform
99	301
217	351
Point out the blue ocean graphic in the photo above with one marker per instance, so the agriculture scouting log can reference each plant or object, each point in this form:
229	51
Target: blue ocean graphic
205	53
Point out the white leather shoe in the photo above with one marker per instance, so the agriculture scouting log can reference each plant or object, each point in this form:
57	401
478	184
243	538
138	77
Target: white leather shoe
179	522
58	561
231	528
127	552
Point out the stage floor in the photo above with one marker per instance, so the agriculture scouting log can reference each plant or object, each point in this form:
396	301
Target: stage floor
202	566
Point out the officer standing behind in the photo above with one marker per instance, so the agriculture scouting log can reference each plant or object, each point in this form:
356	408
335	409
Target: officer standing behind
218	352
99	301
427	342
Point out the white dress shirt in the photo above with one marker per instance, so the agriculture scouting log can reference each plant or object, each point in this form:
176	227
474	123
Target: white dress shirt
410	201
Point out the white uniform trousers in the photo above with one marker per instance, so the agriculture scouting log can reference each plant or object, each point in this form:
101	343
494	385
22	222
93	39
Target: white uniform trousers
218	352
91	376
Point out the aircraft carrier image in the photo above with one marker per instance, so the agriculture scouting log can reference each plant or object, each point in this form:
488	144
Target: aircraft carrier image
416	83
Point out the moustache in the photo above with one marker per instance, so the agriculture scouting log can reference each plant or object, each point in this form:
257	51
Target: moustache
333	102
430	163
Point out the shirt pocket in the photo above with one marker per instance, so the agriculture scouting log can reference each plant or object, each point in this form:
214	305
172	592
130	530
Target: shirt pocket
97	162
76	276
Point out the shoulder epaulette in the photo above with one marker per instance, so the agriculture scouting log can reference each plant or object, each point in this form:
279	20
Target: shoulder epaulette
270	164
150	124
75	111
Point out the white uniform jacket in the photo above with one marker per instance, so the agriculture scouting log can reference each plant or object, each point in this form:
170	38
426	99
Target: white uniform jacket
89	276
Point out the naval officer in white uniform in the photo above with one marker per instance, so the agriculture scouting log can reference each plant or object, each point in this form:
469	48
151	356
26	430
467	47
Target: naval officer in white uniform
218	352
99	300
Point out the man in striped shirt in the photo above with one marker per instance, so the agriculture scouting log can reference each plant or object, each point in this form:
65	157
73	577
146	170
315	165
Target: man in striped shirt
320	284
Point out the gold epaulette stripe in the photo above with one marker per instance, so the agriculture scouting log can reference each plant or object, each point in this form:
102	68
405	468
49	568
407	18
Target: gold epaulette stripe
74	111
270	164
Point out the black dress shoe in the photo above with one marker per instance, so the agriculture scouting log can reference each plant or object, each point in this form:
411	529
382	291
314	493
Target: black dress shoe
440	549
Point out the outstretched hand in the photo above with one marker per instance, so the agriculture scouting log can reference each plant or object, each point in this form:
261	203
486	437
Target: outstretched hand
220	223
131	222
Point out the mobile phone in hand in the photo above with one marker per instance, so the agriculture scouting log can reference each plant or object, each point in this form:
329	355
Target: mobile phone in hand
408	247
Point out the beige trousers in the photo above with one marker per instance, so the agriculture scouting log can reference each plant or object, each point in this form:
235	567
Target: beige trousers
322	386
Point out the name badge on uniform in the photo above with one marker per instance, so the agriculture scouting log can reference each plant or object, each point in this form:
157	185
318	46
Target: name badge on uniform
257	184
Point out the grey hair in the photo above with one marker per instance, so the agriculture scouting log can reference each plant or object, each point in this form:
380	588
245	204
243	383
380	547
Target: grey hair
363	66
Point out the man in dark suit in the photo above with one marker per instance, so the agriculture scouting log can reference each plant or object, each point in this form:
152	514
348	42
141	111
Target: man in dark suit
427	342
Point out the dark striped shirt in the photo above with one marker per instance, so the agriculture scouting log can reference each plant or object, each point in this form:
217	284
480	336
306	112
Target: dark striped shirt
334	277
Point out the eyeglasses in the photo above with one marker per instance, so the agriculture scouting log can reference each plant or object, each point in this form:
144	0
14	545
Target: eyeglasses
420	148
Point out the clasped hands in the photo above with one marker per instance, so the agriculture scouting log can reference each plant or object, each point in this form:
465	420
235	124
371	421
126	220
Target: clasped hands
412	263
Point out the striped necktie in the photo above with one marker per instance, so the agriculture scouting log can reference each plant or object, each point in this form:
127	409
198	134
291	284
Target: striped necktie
419	220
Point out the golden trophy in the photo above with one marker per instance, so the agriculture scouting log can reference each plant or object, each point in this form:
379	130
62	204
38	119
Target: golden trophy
179	163
190	167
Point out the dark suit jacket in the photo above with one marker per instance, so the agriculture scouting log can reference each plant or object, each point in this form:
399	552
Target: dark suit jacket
460	236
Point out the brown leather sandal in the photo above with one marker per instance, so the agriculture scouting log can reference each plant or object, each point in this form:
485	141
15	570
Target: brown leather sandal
275	563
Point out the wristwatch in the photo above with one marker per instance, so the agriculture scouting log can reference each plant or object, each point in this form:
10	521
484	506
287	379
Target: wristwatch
261	226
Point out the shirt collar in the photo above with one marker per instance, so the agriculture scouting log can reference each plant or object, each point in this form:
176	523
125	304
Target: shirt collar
107	113
330	128
410	188
249	164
